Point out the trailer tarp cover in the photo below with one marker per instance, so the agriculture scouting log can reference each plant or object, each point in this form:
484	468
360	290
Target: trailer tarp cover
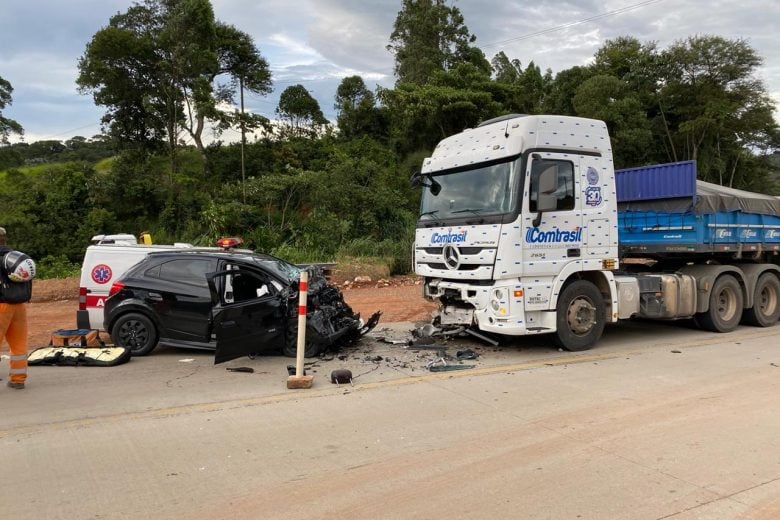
673	188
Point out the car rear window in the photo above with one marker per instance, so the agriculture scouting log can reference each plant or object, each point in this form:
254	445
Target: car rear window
186	270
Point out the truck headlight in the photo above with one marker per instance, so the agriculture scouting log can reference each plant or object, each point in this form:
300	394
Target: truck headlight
498	300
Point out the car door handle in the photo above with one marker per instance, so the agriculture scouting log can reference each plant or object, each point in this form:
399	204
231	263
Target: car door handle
573	252
155	297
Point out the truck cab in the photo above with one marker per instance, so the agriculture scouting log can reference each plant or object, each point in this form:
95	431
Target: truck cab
511	211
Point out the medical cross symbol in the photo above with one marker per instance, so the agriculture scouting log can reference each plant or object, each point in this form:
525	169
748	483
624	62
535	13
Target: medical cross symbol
101	273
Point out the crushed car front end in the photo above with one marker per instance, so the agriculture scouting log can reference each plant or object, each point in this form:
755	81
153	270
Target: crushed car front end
330	321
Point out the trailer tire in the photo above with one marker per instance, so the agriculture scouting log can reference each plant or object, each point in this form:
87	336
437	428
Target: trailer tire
135	332
726	305
581	316
766	302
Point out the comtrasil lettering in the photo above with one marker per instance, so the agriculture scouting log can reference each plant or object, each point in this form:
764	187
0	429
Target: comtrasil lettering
448	238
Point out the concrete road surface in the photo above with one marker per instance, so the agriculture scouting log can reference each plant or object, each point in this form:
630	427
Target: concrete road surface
658	421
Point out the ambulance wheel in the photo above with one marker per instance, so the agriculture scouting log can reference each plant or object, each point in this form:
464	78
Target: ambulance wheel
290	348
135	332
580	317
726	306
766	302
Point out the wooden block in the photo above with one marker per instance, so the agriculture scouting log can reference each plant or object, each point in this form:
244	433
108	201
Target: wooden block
294	382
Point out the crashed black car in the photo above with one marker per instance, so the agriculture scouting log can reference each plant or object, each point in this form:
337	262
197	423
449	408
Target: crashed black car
236	302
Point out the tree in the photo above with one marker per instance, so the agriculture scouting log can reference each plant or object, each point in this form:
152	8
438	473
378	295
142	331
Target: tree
7	126
430	36
156	68
716	110
607	98
506	70
300	112
358	114
453	100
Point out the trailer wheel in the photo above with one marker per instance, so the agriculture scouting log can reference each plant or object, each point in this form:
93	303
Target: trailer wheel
766	302
725	306
580	317
135	332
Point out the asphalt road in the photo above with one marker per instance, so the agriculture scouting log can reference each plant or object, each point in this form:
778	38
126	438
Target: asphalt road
659	421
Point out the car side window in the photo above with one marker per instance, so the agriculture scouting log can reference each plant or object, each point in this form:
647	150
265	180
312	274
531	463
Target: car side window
244	286
187	270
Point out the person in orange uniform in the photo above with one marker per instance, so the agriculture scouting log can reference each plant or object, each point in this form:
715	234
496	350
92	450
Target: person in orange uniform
13	319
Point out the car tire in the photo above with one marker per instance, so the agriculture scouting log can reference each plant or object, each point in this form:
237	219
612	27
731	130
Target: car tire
290	348
136	332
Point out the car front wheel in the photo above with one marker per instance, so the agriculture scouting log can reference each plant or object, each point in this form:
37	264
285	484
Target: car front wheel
136	332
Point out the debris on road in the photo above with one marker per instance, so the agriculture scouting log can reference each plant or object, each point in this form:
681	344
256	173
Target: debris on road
341	376
241	369
466	354
441	365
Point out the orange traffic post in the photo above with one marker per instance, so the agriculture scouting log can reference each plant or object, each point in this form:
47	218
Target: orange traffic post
299	380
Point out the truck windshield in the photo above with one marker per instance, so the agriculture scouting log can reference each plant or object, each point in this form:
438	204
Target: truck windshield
483	190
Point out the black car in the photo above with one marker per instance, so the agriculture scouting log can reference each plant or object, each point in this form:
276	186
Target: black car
235	302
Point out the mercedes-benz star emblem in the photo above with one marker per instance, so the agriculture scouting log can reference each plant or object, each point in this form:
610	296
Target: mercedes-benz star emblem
451	256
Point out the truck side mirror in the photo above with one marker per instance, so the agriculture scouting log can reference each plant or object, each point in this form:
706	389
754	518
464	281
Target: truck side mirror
418	179
546	186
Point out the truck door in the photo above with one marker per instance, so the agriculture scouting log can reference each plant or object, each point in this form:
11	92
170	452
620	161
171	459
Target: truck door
247	319
556	239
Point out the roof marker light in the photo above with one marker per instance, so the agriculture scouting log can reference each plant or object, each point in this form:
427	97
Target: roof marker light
229	242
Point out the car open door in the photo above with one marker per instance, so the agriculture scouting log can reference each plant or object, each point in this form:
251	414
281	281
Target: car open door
248	314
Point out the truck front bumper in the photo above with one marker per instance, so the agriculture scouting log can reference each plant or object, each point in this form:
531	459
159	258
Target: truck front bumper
495	308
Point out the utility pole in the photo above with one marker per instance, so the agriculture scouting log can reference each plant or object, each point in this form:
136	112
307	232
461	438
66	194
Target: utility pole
243	136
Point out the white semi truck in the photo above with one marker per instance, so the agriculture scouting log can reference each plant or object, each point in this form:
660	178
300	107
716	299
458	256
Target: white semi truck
526	228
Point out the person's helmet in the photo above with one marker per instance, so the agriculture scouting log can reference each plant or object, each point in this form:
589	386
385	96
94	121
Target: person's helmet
18	266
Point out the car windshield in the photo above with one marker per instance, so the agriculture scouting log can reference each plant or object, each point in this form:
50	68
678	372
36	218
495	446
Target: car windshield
279	267
483	190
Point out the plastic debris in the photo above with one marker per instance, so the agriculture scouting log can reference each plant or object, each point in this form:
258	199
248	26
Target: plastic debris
466	354
240	369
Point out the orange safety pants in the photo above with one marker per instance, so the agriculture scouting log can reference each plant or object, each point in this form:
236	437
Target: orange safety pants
13	327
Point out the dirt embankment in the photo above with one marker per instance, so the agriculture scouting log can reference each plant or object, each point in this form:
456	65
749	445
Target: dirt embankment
55	302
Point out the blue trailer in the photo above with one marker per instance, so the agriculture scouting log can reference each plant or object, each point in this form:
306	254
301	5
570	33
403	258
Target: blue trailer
665	212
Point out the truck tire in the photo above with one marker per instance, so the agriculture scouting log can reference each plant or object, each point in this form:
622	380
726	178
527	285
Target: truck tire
136	332
766	302
581	316
726	305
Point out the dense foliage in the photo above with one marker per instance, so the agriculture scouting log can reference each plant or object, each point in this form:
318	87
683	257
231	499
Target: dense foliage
314	190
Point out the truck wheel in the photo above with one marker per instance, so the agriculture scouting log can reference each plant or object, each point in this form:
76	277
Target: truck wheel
290	348
766	302
135	332
580	317
725	306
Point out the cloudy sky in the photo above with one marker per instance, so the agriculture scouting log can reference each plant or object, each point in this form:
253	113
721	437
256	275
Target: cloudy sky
318	42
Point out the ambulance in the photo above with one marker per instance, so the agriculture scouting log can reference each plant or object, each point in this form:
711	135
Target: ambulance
105	261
